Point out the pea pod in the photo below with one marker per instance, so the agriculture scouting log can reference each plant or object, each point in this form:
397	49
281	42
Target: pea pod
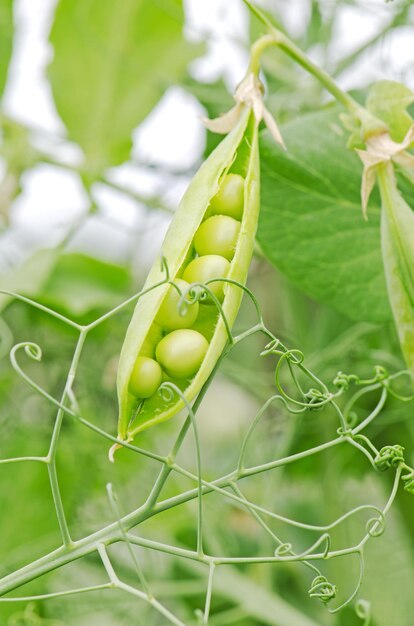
237	153
397	240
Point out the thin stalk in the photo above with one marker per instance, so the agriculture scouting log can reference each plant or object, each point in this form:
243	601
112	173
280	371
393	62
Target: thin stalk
53	478
370	124
58	594
209	593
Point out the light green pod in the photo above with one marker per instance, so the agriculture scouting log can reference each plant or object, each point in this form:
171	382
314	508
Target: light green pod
239	151
397	241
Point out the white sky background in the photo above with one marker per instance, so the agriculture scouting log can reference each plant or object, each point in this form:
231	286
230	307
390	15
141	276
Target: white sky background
172	135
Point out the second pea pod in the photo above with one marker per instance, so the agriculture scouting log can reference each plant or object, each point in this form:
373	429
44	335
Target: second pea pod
171	336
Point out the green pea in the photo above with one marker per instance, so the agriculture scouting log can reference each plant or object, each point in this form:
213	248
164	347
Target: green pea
217	235
169	315
229	199
146	377
181	352
205	268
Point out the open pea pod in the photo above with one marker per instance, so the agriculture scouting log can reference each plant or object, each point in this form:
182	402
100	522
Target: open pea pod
238	154
397	240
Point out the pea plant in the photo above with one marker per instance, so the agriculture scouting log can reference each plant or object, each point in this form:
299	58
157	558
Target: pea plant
190	324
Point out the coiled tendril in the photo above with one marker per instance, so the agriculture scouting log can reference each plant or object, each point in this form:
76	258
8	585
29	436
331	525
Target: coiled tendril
408	480
322	589
375	526
363	611
389	456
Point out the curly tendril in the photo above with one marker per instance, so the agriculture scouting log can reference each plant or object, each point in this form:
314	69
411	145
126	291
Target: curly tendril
283	549
203	293
167	391
316	399
322	589
188	297
363	611
408	481
376	526
271	348
344	381
34	352
389	456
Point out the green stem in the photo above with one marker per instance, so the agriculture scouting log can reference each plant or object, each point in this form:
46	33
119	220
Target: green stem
169	466
323	77
265	527
209	593
370	124
54	483
278	38
256	51
59	594
111	533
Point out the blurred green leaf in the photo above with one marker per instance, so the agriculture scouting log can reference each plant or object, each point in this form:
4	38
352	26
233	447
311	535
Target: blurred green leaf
388	563
216	99
389	101
6	40
27	279
74	283
311	224
79	284
315	25
113	61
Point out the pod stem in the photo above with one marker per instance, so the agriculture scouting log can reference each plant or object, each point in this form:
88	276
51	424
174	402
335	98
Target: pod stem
369	123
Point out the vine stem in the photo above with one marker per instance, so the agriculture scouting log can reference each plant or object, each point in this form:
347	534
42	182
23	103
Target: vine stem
209	593
118	584
59	594
119	530
105	536
112	534
370	124
51	457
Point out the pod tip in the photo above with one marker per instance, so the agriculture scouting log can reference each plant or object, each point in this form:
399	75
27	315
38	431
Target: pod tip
112	450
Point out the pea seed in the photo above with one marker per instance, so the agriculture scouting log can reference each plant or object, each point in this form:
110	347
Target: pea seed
230	197
181	352
217	235
169	316
205	268
146	377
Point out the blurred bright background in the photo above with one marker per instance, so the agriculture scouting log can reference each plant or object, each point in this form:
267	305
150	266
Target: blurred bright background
172	136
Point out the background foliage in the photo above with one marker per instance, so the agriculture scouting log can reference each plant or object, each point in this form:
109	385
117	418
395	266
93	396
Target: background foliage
318	276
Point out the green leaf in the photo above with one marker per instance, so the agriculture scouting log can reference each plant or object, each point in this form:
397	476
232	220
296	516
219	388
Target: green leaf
6	40
112	63
29	278
216	99
74	283
391	604
389	100
79	284
311	224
